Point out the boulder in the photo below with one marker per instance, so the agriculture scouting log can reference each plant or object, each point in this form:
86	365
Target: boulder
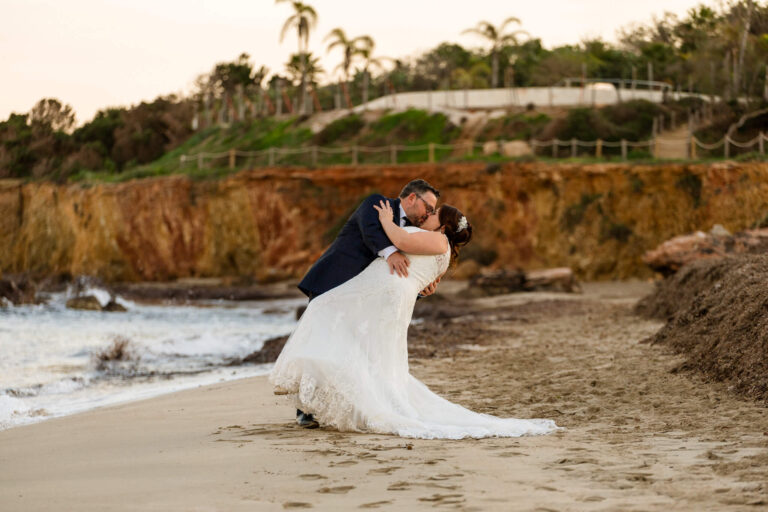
515	148
114	307
86	302
490	148
18	289
268	353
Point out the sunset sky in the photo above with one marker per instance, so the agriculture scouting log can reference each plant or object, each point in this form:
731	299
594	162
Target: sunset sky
93	54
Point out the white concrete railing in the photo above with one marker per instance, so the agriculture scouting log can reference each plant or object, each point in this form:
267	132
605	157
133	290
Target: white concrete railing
519	96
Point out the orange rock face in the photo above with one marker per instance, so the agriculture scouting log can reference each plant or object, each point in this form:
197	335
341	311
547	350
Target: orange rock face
270	224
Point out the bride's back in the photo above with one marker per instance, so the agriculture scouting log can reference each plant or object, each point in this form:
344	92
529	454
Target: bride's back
422	270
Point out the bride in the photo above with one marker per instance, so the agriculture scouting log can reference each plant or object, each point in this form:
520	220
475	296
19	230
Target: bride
347	360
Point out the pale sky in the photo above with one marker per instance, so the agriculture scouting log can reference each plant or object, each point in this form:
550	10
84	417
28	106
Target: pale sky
93	54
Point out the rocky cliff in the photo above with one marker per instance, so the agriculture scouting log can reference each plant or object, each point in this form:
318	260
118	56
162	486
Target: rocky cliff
596	219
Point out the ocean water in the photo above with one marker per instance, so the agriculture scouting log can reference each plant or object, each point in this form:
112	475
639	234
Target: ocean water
48	353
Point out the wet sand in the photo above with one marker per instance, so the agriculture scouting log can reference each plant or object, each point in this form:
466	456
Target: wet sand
637	437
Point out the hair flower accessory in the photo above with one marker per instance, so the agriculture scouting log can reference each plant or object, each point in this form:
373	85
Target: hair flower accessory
462	224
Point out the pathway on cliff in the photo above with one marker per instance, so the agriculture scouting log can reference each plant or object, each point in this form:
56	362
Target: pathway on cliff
673	144
470	131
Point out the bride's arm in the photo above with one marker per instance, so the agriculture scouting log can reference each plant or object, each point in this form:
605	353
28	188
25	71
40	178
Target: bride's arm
422	242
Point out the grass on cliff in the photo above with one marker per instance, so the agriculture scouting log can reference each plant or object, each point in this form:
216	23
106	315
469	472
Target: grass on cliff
409	128
411	131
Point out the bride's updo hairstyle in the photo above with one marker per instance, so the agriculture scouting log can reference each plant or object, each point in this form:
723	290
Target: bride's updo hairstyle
458	231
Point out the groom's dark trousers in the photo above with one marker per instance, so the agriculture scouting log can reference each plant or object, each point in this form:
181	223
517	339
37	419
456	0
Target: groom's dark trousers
356	246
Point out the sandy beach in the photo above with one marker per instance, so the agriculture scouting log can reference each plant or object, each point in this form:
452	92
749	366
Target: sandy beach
637	436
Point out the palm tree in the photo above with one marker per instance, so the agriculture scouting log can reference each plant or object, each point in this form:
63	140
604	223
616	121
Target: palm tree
311	68
365	50
498	39
474	77
351	48
303	19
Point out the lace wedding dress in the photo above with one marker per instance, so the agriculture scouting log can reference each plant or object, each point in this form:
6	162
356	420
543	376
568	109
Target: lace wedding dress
347	362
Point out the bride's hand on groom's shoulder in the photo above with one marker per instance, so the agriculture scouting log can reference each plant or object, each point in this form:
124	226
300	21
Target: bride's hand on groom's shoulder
385	211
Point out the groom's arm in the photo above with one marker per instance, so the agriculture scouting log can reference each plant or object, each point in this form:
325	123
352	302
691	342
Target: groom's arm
373	234
376	239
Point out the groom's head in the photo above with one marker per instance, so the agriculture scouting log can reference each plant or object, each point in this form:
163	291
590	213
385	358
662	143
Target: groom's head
419	200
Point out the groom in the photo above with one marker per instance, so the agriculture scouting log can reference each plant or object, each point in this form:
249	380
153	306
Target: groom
362	240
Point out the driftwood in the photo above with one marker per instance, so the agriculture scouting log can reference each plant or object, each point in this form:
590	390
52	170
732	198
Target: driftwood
499	282
673	254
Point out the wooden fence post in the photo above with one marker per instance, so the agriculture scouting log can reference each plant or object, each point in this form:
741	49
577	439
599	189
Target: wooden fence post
431	152
623	149
692	142
761	143
393	153
555	143
599	148
726	147
574	150
231	158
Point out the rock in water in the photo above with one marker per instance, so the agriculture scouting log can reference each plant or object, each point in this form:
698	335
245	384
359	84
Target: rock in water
268	353
114	307
18	289
87	302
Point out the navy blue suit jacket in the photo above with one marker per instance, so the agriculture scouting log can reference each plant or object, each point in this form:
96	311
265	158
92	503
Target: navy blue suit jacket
356	246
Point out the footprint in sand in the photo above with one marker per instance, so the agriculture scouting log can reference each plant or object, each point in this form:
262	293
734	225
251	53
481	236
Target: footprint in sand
384	471
375	504
399	486
342	489
343	463
296	504
512	454
312	476
444	498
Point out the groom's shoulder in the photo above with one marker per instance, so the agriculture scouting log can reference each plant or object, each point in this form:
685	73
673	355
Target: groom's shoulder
374	199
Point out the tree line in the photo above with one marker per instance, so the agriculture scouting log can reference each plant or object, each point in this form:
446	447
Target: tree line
721	51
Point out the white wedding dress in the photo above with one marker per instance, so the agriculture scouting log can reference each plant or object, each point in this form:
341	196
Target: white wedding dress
347	362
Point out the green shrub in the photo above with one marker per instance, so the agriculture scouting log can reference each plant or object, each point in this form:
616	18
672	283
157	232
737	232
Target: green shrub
344	128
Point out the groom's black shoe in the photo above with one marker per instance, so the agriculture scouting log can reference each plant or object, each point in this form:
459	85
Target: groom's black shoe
306	420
